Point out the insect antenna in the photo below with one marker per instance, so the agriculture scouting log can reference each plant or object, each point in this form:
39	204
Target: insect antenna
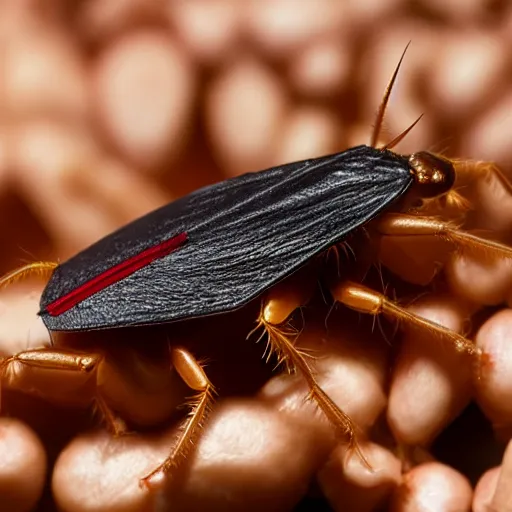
379	119
402	135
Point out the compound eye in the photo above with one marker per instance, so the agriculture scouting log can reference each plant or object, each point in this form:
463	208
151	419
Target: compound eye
433	174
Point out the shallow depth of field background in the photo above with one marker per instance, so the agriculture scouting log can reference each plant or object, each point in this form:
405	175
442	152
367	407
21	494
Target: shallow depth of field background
109	109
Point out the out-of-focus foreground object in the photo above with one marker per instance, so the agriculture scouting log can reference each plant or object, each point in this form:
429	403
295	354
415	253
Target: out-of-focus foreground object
111	109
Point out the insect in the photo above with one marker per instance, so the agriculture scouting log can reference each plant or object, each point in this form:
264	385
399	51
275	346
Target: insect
225	245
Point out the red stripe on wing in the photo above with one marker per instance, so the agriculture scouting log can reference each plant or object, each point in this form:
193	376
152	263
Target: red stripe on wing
115	274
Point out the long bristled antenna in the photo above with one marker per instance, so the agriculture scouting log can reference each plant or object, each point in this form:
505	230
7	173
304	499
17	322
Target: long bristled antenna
384	103
402	135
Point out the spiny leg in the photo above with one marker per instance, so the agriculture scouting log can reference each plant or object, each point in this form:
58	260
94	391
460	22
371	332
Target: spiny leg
276	309
193	374
66	360
38	268
468	170
451	205
280	303
363	299
409	225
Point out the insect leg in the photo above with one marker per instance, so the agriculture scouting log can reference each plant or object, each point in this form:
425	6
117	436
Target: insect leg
468	171
193	374
63	360
363	299
409	225
280	303
277	307
39	268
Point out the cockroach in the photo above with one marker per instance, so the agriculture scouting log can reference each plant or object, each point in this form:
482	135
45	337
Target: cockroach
227	244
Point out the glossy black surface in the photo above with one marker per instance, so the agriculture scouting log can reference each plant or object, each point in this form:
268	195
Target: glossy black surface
245	234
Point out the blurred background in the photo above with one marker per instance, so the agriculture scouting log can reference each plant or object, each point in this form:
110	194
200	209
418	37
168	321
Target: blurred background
109	109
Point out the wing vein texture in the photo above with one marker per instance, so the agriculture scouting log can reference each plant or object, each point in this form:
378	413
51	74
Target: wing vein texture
244	235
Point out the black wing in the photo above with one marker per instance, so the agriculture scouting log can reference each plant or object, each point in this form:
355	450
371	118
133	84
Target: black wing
244	235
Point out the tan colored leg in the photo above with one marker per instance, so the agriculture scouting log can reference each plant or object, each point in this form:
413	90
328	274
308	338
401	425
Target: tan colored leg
363	299
66	360
39	268
276	309
279	304
192	373
397	224
468	170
